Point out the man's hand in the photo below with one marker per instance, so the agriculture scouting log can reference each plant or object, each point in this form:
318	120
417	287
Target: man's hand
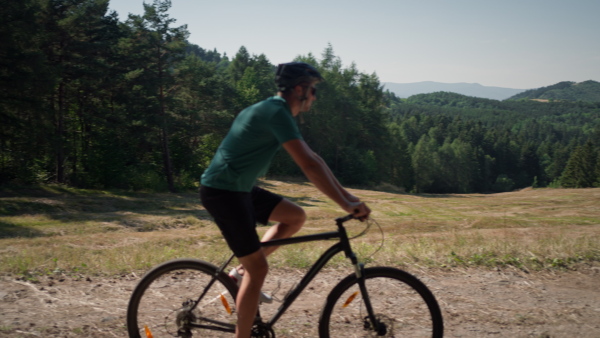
359	210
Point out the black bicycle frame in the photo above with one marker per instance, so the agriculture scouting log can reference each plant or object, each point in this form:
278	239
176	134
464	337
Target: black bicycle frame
343	245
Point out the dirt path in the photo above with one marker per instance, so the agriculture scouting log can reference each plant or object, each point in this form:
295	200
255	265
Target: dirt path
476	303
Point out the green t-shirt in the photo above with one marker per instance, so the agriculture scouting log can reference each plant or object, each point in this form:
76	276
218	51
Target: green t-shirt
246	152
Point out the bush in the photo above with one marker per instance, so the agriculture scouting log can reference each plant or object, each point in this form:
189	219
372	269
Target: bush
503	184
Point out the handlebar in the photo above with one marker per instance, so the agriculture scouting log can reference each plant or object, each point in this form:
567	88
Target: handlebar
346	218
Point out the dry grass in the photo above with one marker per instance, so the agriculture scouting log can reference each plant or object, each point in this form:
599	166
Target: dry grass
96	232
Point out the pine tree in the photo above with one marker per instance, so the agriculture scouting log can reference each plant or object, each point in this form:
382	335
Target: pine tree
25	82
155	48
580	169
425	163
238	65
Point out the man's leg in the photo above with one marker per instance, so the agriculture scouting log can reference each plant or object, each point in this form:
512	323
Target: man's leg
256	268
290	218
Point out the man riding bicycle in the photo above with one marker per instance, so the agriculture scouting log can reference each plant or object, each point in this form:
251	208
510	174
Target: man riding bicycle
230	195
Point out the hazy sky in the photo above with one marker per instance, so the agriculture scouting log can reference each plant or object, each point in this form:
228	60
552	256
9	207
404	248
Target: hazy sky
505	43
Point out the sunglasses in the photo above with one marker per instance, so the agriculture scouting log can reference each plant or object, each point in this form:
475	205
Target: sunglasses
313	91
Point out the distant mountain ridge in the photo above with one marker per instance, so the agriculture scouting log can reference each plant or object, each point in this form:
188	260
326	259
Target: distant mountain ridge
568	91
405	90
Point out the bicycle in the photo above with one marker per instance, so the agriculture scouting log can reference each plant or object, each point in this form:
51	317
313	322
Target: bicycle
185	296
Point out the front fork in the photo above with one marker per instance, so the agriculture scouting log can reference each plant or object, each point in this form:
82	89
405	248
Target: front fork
370	318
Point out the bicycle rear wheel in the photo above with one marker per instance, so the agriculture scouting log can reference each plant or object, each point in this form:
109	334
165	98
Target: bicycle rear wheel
160	305
402	304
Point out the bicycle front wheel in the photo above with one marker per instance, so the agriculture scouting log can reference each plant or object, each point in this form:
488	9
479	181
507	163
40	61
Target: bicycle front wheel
403	307
163	303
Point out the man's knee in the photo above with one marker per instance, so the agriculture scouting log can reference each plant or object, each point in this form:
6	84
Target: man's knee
290	214
299	217
255	264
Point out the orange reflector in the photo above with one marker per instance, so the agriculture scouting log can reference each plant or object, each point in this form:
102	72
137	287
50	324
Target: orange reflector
148	332
225	303
350	299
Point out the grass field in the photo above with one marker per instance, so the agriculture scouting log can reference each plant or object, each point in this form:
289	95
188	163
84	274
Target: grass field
57	229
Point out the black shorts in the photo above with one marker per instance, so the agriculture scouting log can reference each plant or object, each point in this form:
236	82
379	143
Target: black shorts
236	213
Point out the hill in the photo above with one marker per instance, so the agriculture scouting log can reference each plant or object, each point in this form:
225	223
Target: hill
561	115
405	90
567	91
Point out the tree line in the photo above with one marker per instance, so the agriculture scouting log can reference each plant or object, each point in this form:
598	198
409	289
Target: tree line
92	101
464	144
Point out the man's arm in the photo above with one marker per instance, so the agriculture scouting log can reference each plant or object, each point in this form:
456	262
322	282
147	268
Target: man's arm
321	176
348	195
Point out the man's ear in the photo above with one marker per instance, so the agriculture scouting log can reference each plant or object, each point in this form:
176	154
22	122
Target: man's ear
300	92
297	89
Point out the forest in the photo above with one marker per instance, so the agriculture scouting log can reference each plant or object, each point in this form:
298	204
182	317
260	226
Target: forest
92	100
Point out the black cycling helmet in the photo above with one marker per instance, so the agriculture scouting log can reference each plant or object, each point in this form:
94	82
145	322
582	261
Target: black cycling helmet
293	73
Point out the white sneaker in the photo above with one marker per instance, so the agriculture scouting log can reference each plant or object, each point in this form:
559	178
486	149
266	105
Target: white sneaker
235	275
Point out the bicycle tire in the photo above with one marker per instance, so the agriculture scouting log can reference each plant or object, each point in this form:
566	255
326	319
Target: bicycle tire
399	300
159	297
